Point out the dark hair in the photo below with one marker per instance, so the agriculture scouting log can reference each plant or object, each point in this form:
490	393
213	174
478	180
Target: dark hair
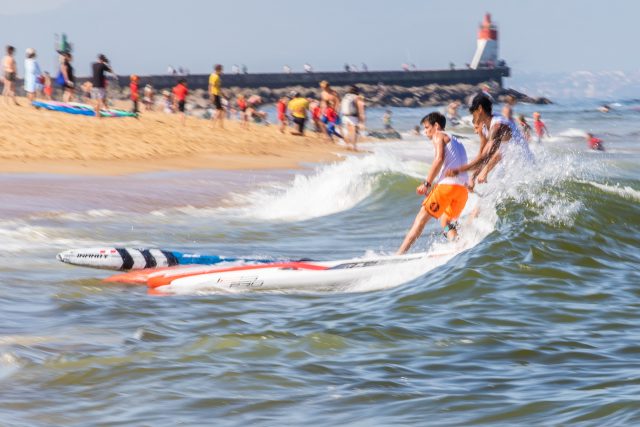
434	118
483	101
354	90
10	49
182	81
218	67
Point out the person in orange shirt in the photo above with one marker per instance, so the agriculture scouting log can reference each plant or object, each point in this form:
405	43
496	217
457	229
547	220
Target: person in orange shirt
180	92
135	95
47	86
241	102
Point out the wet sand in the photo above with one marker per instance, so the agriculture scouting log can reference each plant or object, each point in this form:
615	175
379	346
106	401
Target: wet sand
39	141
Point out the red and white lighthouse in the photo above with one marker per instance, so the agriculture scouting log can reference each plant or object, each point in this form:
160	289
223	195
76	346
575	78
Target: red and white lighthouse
486	55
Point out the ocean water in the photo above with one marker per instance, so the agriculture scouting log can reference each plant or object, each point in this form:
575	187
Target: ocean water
533	319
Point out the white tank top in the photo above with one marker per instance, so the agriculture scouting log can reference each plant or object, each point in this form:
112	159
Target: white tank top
517	139
455	156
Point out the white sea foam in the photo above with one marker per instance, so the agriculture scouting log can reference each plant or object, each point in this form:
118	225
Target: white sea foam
626	191
21	236
331	189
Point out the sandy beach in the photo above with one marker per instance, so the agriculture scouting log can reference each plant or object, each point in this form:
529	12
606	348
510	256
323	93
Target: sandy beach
38	141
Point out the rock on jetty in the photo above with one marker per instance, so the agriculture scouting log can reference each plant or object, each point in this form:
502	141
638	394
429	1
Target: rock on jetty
376	95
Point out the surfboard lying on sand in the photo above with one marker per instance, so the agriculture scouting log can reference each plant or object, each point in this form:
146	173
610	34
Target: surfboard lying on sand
137	259
80	109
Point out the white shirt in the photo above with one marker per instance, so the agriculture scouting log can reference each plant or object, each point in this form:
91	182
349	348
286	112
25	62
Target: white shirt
455	156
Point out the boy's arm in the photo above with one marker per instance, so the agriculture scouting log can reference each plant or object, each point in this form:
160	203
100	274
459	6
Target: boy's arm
498	133
436	165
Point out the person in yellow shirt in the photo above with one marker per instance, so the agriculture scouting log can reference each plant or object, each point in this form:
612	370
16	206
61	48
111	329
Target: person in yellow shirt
215	93
298	106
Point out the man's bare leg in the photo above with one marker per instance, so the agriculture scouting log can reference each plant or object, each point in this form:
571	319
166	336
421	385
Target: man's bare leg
416	230
445	221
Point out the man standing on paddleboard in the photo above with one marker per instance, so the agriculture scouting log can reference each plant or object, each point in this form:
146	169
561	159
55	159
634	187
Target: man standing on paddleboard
449	194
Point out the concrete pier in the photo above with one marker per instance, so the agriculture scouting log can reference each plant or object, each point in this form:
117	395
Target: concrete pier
279	80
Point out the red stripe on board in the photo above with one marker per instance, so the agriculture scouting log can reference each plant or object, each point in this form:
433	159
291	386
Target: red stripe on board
161	280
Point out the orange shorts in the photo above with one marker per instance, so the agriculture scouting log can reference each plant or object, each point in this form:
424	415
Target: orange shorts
446	199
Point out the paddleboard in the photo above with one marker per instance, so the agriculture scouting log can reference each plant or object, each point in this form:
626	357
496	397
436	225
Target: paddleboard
125	259
80	109
310	276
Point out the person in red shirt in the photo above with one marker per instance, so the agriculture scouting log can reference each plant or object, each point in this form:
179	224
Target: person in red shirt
282	113
135	95
241	102
540	128
317	117
594	143
332	119
180	92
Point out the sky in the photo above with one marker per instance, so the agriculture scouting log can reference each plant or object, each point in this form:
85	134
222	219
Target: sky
145	36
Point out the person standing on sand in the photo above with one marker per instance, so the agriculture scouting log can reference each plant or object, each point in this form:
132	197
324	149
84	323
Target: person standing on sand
215	92
32	75
317	117
99	81
281	108
298	107
10	75
148	98
328	94
332	122
449	196
241	103
48	86
66	79
135	94
180	92
352	110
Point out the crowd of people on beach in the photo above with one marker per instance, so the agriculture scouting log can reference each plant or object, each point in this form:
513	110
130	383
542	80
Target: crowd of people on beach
329	114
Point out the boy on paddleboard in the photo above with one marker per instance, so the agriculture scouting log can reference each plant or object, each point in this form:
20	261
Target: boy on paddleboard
500	137
449	194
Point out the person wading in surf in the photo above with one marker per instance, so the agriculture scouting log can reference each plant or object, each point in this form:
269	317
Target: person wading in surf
449	196
501	135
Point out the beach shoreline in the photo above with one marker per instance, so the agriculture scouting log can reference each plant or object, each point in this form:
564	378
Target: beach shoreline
39	141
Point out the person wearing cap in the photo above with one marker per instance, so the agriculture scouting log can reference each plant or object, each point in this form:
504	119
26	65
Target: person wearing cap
352	110
215	93
135	94
99	81
32	75
298	106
